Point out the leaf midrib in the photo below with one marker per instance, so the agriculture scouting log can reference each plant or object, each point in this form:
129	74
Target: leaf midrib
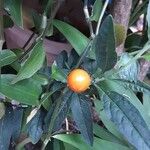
130	121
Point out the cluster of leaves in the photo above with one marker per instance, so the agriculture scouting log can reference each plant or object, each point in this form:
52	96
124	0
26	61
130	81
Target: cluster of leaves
36	100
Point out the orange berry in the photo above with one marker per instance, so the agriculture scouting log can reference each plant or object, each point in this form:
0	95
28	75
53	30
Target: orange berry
78	80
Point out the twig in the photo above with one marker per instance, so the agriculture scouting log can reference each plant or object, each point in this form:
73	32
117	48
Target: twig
23	143
101	16
87	16
67	126
84	54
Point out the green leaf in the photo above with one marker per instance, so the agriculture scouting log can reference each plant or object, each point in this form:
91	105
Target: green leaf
33	63
14	8
7	57
89	65
146	103
58	74
58	145
58	112
99	144
35	130
127	119
26	92
10	126
6	129
75	37
46	101
105	135
113	85
69	147
131	71
104	45
2	110
62	59
81	111
135	86
73	57
96	10
133	40
17	123
37	19
8	23
108	123
146	56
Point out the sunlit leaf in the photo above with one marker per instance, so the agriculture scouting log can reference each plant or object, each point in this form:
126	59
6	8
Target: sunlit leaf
99	144
7	57
26	92
75	37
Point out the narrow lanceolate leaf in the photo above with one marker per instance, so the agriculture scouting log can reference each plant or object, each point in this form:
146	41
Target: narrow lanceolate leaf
7	57
135	86
99	144
104	45
146	56
75	37
146	103
58	73
130	72
26	92
148	19
108	123
6	129
124	89
58	112
33	63
35	129
81	111
96	11
10	126
14	8
127	119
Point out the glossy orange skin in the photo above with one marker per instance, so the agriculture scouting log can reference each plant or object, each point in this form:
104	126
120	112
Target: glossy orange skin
78	80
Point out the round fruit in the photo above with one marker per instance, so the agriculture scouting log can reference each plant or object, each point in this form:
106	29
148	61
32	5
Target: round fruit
78	80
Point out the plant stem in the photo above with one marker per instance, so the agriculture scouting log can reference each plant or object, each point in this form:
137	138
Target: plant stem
87	16
23	143
43	34
101	16
67	125
84	54
134	53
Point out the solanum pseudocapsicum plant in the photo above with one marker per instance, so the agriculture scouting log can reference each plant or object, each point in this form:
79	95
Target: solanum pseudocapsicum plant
56	104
